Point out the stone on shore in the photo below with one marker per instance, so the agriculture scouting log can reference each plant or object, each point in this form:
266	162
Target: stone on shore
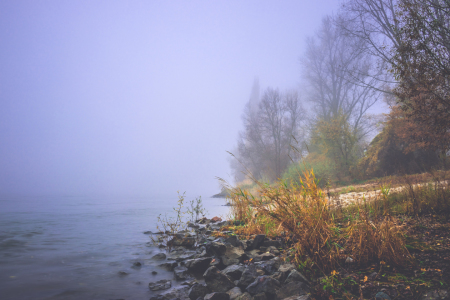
197	291
198	265
234	271
264	284
216	281
163	284
217	296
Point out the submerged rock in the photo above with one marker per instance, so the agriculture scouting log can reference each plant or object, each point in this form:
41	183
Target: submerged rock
181	273
159	256
163	284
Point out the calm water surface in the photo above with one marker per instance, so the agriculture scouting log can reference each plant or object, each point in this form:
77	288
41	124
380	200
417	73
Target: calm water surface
74	247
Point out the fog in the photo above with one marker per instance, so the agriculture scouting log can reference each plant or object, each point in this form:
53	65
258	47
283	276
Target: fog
137	97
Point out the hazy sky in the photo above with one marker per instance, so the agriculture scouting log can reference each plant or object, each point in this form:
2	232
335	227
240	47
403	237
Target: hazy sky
137	97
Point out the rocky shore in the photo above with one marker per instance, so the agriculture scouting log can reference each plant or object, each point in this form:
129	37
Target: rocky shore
206	267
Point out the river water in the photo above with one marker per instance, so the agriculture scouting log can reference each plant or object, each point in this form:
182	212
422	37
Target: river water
75	247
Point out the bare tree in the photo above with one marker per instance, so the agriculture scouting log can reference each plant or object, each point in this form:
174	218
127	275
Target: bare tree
270	128
337	69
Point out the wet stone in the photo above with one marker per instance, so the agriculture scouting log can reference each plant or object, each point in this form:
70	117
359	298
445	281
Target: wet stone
160	285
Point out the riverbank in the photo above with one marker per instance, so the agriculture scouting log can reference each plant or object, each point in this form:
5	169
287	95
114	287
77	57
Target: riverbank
212	262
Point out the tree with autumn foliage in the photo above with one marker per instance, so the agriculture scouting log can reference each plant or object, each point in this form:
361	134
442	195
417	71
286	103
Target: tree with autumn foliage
396	150
422	68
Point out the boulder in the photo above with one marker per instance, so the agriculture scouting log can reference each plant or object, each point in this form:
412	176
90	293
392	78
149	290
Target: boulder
180	292
270	266
216	281
244	296
234	271
258	241
183	241
249	275
197	291
284	271
160	285
217	296
264	284
169	266
294	275
159	256
234	293
181	254
233	255
267	256
304	297
215	248
181	273
382	296
233	241
198	265
260	296
271	243
294	288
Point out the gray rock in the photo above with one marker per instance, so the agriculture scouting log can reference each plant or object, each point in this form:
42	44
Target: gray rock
294	275
435	295
271	243
284	271
169	266
267	256
249	275
234	271
197	291
182	241
258	241
137	265
270	266
122	273
382	296
181	273
234	293
181	254
273	250
304	297
180	292
215	248
159	256
263	284
232	255
233	241
160	285
294	288
216	281
260	296
198	265
217	296
244	296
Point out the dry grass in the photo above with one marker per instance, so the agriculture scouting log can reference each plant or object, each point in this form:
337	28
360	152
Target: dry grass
321	238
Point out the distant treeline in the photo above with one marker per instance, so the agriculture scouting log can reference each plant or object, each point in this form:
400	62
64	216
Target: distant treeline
370	51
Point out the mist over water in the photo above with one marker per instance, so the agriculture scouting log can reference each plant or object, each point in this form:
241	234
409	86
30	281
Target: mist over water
73	248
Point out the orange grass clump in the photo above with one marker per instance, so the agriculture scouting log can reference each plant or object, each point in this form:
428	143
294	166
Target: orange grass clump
321	236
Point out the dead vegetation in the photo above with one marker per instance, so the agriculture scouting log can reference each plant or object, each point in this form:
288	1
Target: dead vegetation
328	243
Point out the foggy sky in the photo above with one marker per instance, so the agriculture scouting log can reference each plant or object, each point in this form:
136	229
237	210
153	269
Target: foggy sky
137	97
